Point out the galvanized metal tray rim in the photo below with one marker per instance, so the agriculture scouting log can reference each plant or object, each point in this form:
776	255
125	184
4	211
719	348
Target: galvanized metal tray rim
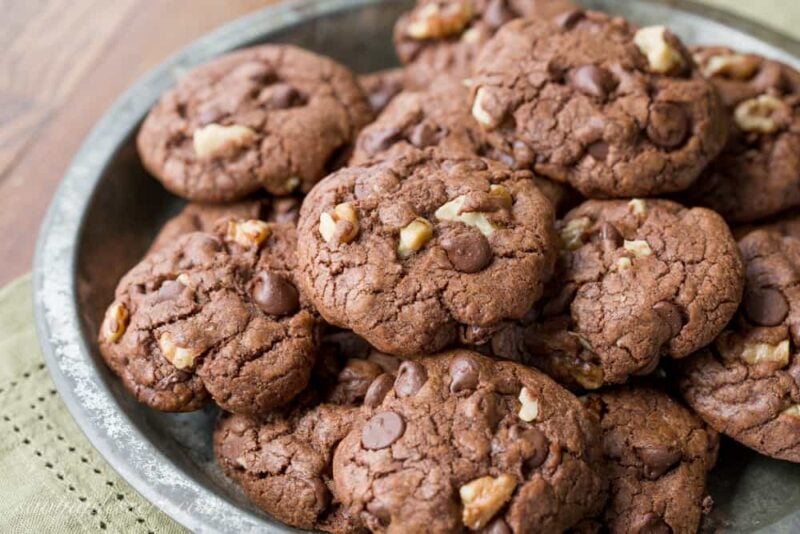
66	347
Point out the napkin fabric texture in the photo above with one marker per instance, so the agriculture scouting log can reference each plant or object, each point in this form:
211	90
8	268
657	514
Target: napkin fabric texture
51	479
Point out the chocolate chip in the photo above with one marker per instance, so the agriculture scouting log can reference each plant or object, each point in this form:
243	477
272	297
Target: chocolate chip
598	150
468	251
208	114
668	124
379	140
657	460
464	373
282	96
200	249
387	362
274	294
523	155
649	523
670	314
411	376
169	290
569	18
424	134
535	444
609	236
497	13
765	306
355	379
255	72
378	390
382	430
593	81
498	526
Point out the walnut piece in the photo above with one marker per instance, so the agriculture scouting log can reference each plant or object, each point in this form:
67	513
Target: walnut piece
216	140
755	114
638	206
413	237
572	233
736	66
639	248
451	211
116	321
434	21
479	110
484	497
792	411
180	357
340	225
662	57
529	409
247	233
764	352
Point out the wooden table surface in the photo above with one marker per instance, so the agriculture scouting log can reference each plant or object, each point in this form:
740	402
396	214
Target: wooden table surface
63	62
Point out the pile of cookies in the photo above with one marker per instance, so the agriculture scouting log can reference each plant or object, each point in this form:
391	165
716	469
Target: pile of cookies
495	290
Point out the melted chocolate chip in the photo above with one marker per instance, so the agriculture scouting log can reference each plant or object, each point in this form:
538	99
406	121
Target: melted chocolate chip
468	251
610	236
424	134
569	18
765	306
169	290
379	140
668	124
378	390
598	150
464	374
497	13
382	430
411	376
536	445
355	379
498	526
282	96
657	460
593	81
274	294
670	314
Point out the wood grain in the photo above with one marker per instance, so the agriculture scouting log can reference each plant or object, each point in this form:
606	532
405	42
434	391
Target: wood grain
63	62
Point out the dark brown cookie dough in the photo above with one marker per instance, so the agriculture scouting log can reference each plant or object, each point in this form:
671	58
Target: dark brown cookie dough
591	101
444	36
636	280
758	172
461	441
403	252
214	315
748	384
382	86
274	117
196	217
283	462
658	454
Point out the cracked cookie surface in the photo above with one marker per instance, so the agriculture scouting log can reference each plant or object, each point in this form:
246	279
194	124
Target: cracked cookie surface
197	217
439	36
405	252
274	117
461	441
214	315
657	454
747	385
283	461
758	172
611	110
635	280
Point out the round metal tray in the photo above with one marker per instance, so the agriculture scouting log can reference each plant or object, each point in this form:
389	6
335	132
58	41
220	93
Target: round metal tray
107	209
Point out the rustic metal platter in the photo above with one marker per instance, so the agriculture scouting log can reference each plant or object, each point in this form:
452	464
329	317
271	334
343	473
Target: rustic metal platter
107	210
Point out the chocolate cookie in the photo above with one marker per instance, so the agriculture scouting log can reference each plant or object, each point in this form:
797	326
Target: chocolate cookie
636	280
592	101
196	217
658	454
283	462
758	172
405	251
214	314
381	87
274	117
460	442
439	36
437	119
748	384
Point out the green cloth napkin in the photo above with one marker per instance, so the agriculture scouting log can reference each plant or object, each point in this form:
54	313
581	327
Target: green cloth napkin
51	479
